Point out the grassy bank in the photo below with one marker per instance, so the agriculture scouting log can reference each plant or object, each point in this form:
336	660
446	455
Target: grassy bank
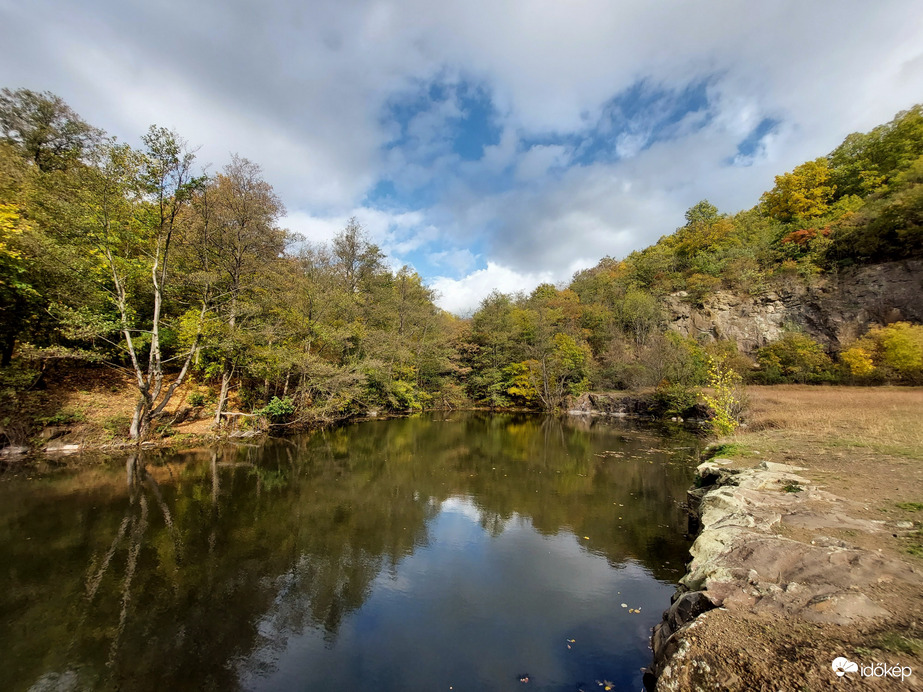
92	408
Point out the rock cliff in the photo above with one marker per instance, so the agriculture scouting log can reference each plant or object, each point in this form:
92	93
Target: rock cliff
835	309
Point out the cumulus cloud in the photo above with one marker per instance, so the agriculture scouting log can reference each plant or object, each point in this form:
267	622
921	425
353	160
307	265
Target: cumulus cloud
307	89
462	296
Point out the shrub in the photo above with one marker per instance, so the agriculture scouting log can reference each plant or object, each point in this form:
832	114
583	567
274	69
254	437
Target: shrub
278	410
890	353
725	398
196	399
675	399
65	417
794	358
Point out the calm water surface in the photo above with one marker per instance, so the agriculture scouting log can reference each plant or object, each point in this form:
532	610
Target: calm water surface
438	552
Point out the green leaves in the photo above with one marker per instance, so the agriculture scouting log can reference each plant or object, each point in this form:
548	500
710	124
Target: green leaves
724	397
795	357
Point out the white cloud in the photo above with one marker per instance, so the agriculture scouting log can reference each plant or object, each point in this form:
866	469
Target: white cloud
395	232
314	229
302	89
536	162
462	296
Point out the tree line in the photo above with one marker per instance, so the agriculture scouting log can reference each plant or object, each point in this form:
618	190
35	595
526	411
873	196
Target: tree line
607	329
136	259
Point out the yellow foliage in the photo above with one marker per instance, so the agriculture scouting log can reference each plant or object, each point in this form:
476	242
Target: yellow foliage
893	351
858	360
11	225
803	193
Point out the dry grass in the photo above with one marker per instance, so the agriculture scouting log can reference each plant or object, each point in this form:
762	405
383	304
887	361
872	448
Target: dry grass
886	419
95	405
863	446
861	443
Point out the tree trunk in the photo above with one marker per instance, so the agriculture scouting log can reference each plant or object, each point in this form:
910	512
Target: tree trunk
223	396
6	348
141	421
228	371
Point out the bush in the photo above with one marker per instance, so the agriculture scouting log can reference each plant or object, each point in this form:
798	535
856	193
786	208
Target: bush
725	398
196	399
676	399
794	358
891	353
278	410
64	417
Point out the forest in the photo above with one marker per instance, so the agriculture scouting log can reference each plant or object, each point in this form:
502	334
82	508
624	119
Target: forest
135	260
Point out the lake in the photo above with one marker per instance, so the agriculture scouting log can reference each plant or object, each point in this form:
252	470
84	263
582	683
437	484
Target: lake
446	551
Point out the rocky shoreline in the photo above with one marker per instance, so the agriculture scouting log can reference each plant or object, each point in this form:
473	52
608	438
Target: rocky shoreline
646	405
743	566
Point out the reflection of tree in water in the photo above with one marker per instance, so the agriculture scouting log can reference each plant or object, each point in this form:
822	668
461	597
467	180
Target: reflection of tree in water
236	549
132	530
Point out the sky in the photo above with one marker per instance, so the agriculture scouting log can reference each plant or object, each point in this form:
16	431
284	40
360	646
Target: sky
488	144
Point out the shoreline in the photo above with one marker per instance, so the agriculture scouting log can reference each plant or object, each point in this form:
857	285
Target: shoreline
58	442
745	573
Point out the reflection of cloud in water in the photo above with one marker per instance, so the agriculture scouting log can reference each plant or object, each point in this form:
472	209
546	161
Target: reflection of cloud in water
463	505
474	608
396	556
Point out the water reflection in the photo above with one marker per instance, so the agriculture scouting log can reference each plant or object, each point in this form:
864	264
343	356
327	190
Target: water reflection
371	552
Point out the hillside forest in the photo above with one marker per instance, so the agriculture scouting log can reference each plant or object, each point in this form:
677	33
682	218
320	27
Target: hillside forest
136	260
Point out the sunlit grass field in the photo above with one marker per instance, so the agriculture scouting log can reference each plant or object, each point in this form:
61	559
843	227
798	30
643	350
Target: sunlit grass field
883	419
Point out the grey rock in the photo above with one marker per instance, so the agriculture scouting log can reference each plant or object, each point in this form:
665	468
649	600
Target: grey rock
60	448
739	562
53	432
835	309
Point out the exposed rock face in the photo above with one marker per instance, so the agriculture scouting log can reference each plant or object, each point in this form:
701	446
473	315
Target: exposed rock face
741	564
835	309
609	405
625	405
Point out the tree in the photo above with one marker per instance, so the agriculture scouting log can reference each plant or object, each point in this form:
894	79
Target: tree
357	258
724	397
804	193
44	128
638	315
559	371
794	358
15	291
892	352
134	207
703	212
237	239
868	163
706	231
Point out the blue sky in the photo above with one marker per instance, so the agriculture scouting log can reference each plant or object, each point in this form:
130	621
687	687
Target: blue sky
487	144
